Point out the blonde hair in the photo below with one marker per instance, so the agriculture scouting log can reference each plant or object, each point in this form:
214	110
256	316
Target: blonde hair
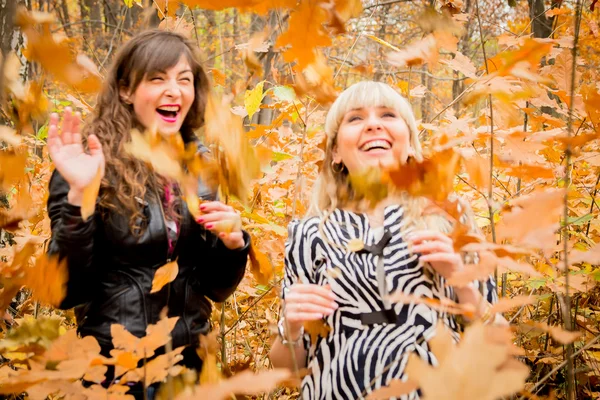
332	185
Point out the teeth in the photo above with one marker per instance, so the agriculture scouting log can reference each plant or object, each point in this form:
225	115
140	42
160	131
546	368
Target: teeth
169	108
384	144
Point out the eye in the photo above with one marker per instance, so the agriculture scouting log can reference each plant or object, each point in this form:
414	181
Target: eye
389	114
353	118
156	79
186	79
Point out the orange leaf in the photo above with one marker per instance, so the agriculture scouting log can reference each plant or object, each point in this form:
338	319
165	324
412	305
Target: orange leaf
591	256
479	170
164	275
305	33
48	279
260	265
317	328
418	53
508	303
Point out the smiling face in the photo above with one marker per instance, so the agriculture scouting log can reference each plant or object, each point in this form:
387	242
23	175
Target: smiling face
371	137
163	99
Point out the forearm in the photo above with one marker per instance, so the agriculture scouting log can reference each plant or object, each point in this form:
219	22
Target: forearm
470	295
282	357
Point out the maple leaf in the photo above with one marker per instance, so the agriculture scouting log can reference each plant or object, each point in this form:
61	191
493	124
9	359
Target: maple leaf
478	368
592	256
157	369
462	64
591	99
532	215
164	275
432	178
531	52
559	334
162	156
157	335
21	211
508	303
305	33
47	279
418	53
479	170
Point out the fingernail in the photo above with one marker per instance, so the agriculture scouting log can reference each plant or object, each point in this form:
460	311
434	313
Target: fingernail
200	220
209	226
334	305
202	207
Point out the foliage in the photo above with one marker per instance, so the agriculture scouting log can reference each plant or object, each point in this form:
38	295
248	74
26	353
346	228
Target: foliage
507	128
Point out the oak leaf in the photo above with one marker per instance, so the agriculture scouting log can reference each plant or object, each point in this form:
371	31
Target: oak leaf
164	275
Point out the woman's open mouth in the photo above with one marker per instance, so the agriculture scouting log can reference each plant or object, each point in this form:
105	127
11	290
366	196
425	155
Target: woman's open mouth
169	113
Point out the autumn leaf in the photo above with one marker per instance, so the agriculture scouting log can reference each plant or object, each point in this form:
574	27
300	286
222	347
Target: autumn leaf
479	170
355	245
559	334
508	303
21	211
305	33
12	167
253	99
477	368
442	305
316	81
260	265
157	369
592	256
157	335
255	44
462	64
421	52
316	328
32	334
164	275
47	279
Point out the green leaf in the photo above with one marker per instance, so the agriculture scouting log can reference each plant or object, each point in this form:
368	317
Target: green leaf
42	133
580	220
537	283
280	156
284	93
253	98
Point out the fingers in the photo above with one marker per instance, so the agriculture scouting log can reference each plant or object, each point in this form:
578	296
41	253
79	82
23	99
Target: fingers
75	123
54	141
432	247
67	126
233	240
303	288
316	302
212	206
417	237
446	258
216	216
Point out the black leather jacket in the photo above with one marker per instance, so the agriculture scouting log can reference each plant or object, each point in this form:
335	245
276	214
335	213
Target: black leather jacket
111	271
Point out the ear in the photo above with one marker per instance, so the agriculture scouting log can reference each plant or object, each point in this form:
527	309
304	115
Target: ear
125	96
335	155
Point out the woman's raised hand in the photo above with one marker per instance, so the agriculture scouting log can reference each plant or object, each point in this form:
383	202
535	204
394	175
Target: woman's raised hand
307	302
70	158
223	221
436	249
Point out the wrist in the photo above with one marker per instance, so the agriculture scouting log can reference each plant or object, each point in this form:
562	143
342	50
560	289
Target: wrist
290	332
75	197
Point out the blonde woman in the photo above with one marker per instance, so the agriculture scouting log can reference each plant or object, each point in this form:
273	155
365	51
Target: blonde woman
369	125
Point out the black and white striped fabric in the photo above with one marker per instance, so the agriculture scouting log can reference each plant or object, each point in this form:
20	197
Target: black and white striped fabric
355	359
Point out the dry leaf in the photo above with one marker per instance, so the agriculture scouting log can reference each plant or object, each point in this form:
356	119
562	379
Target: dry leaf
355	245
164	275
592	256
157	335
260	265
305	33
559	334
442	305
316	328
418	53
508	303
47	279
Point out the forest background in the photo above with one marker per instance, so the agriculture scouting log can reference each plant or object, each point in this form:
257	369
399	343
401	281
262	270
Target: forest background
507	97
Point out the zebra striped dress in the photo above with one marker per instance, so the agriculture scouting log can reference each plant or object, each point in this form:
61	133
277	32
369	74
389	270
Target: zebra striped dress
355	359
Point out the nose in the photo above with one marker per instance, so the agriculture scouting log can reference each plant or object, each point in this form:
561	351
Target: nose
172	88
373	122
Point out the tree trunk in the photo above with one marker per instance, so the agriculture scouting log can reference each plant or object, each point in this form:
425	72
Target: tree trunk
541	25
94	13
63	15
7	35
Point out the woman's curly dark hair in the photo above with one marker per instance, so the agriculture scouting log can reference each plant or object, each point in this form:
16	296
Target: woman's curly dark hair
126	177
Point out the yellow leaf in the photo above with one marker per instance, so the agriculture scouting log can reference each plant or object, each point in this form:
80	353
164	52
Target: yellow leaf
164	275
90	194
253	98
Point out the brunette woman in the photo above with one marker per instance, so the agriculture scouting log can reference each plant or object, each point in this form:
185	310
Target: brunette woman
140	221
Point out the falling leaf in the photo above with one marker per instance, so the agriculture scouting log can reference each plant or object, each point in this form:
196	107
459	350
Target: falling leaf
442	305
12	168
418	53
255	44
479	170
592	256
33	334
316	81
559	334
260	265
157	335
9	136
305	33
316	328
164	275
47	279
90	194
157	369
462	64
478	368
508	303
253	99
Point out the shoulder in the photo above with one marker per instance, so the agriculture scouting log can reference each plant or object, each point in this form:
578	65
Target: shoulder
303	228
